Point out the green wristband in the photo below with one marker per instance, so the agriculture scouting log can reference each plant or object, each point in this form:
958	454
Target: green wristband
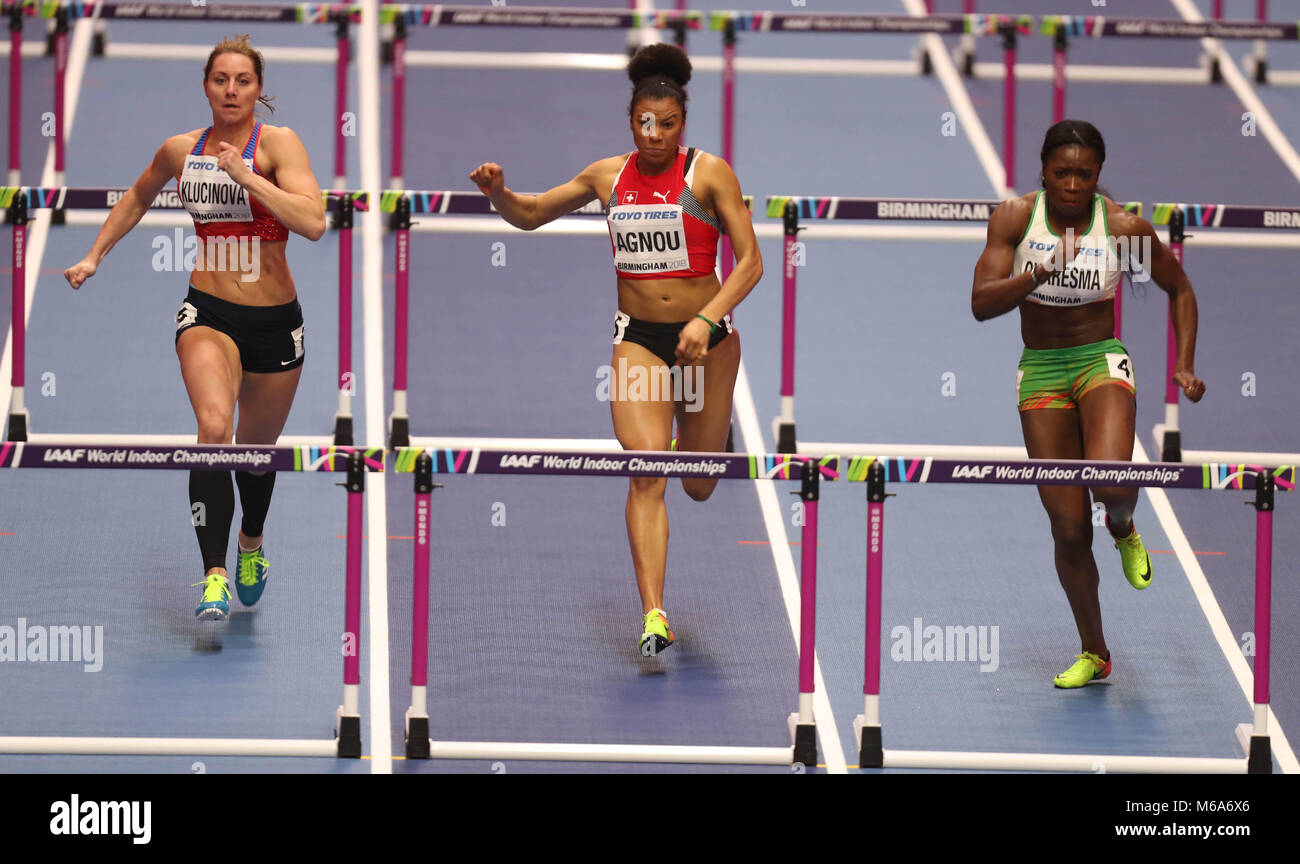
712	326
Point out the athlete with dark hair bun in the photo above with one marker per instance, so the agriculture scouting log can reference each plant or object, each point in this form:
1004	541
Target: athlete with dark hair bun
1076	388
666	206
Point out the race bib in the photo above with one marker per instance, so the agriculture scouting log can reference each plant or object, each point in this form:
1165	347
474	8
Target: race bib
648	238
210	195
1120	366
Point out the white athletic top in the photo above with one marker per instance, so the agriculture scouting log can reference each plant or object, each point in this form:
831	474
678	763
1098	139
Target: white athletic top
1091	277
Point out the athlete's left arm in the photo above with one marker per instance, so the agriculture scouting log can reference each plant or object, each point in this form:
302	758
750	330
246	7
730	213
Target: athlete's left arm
294	198
730	208
1158	260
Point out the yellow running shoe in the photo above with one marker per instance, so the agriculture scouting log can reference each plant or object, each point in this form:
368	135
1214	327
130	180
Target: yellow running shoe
215	603
1087	667
1137	563
656	634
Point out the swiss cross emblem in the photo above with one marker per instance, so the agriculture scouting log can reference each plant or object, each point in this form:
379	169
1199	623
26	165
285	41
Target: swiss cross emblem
629	197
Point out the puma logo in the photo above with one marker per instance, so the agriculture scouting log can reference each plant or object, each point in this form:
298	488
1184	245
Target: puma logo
663	195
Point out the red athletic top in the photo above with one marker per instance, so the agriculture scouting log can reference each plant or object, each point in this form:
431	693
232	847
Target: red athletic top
657	230
221	207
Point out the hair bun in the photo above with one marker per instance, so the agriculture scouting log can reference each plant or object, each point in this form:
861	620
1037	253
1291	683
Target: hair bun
660	60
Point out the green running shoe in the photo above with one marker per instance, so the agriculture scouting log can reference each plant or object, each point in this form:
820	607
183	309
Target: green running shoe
215	603
250	582
1137	563
656	635
1087	667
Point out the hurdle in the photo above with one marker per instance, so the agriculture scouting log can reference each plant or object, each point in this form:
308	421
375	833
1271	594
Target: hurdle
355	463
66	201
64	12
459	213
1179	217
1264	480
427	462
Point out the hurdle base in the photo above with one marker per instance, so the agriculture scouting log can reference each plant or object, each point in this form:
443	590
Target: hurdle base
927	65
1169	443
1257	68
1258	749
870	752
323	748
348	731
417	737
785	440
399	431
17	426
804	738
343	430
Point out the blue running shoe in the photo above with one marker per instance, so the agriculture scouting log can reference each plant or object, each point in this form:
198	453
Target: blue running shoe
251	576
215	603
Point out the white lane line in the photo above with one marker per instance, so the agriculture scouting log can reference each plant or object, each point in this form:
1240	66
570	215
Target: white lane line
372	283
1213	613
38	230
985	152
752	435
1237	81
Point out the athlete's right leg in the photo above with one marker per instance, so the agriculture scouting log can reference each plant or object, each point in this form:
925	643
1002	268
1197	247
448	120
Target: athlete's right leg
644	424
211	370
1054	433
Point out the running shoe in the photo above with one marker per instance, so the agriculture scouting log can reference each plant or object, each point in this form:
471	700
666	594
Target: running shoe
1087	667
215	603
251	578
656	635
1137	563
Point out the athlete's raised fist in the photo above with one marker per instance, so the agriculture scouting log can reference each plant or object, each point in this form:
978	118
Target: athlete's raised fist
489	177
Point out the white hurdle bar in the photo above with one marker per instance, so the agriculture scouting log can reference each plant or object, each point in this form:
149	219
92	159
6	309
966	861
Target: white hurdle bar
1253	738
460	456
170	746
354	462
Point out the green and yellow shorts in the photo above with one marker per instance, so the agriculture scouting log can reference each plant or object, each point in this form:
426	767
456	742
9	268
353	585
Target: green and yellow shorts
1059	377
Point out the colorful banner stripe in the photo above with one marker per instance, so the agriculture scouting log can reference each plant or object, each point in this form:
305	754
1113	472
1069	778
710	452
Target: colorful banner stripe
188	458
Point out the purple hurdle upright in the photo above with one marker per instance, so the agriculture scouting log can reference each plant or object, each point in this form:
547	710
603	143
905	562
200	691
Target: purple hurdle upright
349	714
871	752
346	380
785	438
1260	757
805	731
17	410
399	424
1059	46
399	99
340	98
1009	102
60	78
1171	447
417	715
15	94
728	123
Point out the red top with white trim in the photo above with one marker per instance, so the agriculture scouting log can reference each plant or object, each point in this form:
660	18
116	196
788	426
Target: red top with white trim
657	230
221	207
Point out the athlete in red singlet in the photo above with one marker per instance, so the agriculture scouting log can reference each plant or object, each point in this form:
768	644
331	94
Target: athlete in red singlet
239	333
665	206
